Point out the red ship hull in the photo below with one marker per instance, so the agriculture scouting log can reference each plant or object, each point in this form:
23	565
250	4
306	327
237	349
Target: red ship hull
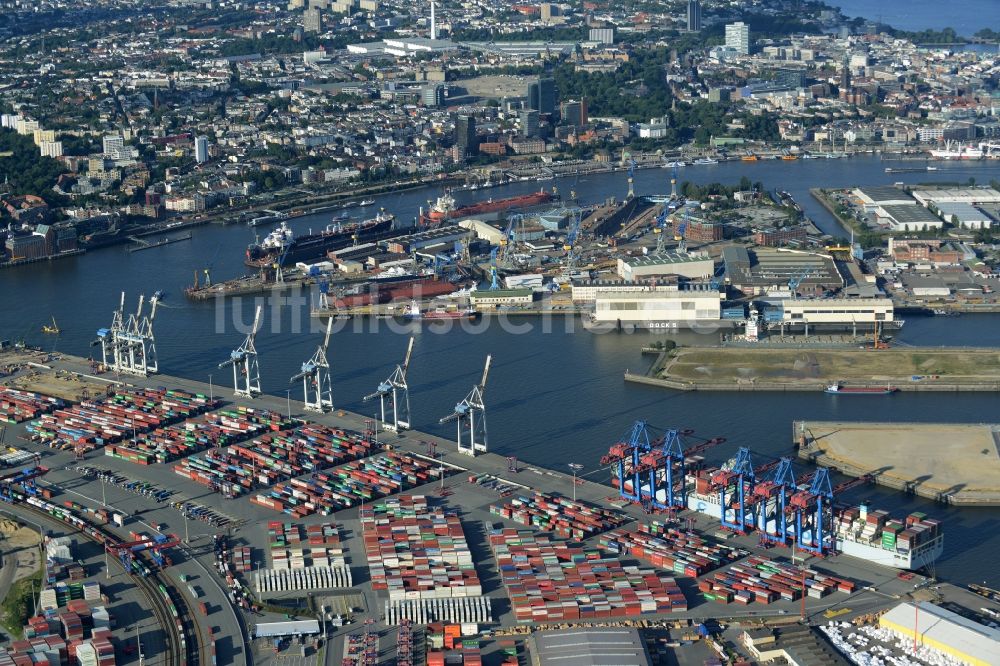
397	291
489	206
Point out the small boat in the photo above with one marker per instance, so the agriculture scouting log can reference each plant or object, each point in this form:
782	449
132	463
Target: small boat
837	389
341	217
350	204
366	202
706	160
809	157
53	329
932	168
671	165
158	295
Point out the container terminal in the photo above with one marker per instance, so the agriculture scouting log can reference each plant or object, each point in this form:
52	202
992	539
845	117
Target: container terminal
306	547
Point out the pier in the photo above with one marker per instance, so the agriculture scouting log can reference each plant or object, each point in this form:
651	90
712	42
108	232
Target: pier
947	462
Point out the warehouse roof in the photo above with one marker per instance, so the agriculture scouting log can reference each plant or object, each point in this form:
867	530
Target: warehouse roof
293	628
883	194
965	212
911	215
664	259
943	626
768	267
591	647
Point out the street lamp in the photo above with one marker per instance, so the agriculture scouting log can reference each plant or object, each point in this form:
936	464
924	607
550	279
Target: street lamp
576	467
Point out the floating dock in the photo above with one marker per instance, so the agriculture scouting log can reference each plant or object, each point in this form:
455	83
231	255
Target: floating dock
953	463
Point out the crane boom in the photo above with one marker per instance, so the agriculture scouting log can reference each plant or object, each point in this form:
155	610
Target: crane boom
486	372
409	352
329	329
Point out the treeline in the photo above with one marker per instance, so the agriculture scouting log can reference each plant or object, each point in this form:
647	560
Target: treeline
25	170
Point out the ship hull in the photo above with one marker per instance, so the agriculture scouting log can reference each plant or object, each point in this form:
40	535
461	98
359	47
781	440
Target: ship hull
316	246
487	207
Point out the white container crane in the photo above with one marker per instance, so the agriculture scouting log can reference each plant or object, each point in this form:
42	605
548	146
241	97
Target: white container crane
466	410
246	370
317	387
397	417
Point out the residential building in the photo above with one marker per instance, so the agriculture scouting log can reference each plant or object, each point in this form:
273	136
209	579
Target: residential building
573	112
694	16
312	20
201	149
113	145
738	37
529	122
432	95
465	135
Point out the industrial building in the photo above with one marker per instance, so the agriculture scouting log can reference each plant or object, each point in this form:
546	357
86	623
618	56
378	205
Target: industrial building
663	264
659	309
795	645
293	628
968	195
963	215
836	312
764	270
594	646
492	298
586	291
908	218
484	231
422	239
952	634
871	198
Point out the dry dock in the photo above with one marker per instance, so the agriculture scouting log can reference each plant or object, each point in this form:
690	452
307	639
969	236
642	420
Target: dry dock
949	462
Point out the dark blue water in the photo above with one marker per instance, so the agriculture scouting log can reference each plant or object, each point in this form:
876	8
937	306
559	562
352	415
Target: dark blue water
554	396
968	16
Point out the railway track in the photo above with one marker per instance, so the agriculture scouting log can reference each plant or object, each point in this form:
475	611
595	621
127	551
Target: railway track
169	607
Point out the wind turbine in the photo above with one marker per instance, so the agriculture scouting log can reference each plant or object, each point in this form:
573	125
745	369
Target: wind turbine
466	411
399	416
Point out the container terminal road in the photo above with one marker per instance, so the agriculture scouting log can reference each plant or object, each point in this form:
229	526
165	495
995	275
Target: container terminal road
225	633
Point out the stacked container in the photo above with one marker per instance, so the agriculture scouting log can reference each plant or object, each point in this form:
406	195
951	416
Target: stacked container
418	554
264	461
93	424
204	432
349	485
17	406
764	580
683	553
553	581
551	513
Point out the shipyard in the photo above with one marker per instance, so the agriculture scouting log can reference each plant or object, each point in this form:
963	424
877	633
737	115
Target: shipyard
373	333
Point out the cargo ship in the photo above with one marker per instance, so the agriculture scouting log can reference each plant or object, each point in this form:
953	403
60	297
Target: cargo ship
413	313
958	152
837	389
386	291
282	244
858	531
445	208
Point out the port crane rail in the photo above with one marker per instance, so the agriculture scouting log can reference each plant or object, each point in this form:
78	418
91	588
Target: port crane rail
397	417
317	386
466	411
243	359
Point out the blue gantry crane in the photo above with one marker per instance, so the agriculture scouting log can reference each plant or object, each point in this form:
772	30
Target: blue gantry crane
770	500
740	480
494	282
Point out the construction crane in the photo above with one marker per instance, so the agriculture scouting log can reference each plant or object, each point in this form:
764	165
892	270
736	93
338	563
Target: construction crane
246	370
317	386
508	244
466	411
398	416
494	282
659	230
796	280
570	246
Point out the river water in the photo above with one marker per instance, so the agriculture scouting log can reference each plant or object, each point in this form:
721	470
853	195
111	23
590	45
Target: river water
915	15
554	395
